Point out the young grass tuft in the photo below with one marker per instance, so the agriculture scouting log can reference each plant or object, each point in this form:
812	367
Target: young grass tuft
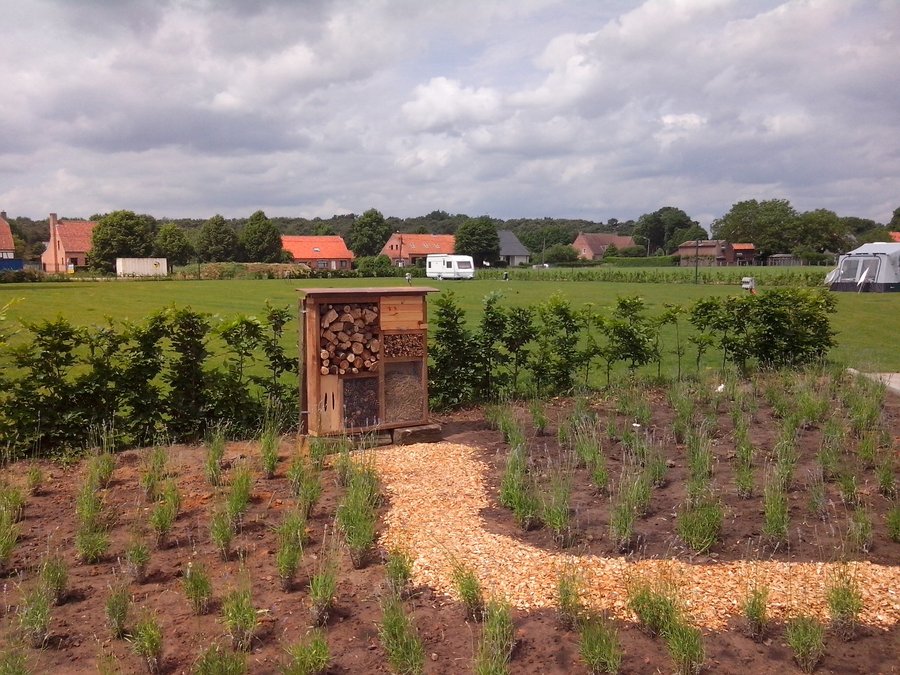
518	491
137	557
147	642
34	480
806	637
756	613
892	520
218	661
237	501
860	531
570	606
775	513
34	616
13	661
310	657
538	409
197	587
497	639
323	584
239	617
844	602
356	515
556	512
221	532
401	642
215	453
654	604
685	645
599	646
268	450
468	587
699	525
287	560
162	519
117	605
887	484
305	483
153	471
12	501
91	545
54	577
398	569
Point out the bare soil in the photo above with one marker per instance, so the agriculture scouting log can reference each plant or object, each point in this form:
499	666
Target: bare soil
80	637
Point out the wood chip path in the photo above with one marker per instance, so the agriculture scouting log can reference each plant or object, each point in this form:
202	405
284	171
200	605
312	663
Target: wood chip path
437	490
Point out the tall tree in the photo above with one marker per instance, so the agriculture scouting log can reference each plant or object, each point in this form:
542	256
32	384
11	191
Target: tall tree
894	224
121	234
657	228
260	239
172	243
820	231
217	241
768	224
679	236
368	234
478	238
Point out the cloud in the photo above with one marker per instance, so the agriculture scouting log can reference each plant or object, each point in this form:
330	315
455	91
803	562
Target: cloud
539	108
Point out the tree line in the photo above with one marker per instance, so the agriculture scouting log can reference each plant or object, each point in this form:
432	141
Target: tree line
773	225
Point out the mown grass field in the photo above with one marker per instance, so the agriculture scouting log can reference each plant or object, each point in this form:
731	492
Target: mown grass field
867	325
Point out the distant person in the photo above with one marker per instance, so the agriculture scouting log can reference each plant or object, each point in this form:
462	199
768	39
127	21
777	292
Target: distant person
505	276
408	278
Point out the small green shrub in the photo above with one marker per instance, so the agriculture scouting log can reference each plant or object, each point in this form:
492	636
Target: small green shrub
292	527
468	587
776	516
845	602
310	657
147	642
357	518
218	661
806	638
401	642
91	545
118	604
162	519
323	586
153	471
34	616
54	577
89	508
599	646
685	645
197	587
100	468
287	560
239	617
756	614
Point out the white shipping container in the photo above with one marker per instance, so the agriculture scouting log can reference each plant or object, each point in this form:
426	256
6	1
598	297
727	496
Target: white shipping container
142	267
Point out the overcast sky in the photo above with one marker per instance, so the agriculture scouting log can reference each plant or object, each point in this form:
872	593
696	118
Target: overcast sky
522	108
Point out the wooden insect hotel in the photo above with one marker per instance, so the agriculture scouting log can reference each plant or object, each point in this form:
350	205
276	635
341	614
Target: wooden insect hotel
365	359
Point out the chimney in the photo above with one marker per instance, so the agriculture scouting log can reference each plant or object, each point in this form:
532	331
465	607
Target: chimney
2	215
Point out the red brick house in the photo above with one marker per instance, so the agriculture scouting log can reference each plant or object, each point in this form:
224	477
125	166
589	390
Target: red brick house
708	253
320	253
744	254
593	245
407	249
7	245
69	245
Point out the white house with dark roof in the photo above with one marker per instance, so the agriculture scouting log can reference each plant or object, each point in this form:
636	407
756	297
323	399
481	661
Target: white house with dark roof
512	251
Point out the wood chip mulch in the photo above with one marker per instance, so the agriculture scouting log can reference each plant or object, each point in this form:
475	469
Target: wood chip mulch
437	490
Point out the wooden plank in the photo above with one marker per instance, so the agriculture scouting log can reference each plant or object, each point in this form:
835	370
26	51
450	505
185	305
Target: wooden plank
329	404
402	312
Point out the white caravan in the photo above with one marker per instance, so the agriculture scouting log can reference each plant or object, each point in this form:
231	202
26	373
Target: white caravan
449	267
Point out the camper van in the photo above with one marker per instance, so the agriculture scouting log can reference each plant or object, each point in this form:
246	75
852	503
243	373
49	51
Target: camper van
869	268
449	267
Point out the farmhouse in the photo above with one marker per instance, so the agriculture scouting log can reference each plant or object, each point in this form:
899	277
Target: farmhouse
7	245
320	253
69	245
512	252
407	249
744	254
593	245
709	253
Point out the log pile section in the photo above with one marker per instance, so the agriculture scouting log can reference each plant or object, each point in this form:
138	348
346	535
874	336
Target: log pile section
349	338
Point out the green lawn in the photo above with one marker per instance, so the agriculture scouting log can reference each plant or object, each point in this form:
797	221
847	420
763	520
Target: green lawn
868	325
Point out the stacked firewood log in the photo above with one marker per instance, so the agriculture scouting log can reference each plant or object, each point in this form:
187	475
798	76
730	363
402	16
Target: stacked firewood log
349	338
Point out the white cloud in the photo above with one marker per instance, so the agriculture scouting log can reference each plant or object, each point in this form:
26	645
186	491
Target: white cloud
443	104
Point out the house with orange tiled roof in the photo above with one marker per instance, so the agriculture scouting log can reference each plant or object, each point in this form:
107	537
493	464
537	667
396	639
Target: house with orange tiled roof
70	242
895	236
593	245
7	245
320	253
744	254
407	249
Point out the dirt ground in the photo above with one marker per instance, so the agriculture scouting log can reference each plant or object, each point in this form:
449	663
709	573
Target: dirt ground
80	637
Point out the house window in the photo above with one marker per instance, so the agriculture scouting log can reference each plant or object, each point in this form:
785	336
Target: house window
343	264
322	264
6	254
